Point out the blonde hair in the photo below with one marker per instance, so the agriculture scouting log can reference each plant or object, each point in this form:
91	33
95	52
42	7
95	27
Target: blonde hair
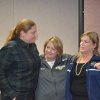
95	40
23	25
57	44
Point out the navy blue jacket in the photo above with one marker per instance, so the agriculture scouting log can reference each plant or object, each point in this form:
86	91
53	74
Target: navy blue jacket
92	79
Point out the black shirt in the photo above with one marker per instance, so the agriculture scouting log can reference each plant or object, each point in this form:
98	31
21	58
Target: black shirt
78	83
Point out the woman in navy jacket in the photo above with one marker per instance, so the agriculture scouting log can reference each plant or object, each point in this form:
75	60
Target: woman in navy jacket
83	79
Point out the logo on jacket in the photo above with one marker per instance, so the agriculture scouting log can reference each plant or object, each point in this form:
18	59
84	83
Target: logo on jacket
60	67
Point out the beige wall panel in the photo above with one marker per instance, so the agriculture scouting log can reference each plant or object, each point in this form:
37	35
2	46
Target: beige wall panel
53	17
92	16
6	19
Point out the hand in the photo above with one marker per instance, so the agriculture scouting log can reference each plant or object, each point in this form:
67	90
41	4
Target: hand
14	98
97	65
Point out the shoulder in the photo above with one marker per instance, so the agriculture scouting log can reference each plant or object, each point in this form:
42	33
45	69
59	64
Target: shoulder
11	44
68	57
96	58
8	50
42	57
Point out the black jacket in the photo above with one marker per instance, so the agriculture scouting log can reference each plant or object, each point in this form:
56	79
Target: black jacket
19	68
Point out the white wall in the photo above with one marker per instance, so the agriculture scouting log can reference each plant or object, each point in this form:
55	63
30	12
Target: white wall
53	17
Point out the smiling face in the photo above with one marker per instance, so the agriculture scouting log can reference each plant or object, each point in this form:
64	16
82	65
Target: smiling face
29	36
50	52
86	45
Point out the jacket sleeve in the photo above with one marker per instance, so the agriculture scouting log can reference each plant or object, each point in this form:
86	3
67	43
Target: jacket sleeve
5	65
69	58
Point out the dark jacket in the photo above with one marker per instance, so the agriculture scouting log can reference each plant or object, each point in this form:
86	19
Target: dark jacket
51	84
92	79
19	68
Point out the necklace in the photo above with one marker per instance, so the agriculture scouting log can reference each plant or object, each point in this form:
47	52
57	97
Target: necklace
86	61
76	70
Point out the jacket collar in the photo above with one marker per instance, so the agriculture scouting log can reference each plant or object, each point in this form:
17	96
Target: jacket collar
22	43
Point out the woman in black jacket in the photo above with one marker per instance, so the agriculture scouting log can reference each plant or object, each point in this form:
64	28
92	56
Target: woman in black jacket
19	63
